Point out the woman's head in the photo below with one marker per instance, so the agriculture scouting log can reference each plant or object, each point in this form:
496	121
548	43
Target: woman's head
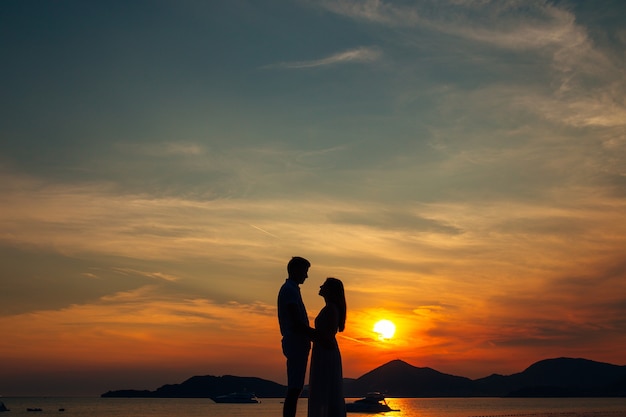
332	290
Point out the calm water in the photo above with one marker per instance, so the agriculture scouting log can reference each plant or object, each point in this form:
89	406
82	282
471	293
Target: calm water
409	407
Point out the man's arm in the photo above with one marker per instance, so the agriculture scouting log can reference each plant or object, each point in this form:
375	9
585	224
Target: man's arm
298	324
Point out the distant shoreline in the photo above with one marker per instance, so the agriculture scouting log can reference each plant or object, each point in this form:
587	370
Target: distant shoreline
549	378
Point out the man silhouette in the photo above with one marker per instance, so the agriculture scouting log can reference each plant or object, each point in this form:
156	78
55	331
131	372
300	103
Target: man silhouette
294	327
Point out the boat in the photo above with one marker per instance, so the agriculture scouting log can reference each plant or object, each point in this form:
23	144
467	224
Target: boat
373	402
237	398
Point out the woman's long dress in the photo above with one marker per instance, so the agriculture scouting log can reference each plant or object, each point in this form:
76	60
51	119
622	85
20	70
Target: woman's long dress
326	375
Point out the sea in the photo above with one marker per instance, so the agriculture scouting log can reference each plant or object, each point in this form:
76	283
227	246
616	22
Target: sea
272	407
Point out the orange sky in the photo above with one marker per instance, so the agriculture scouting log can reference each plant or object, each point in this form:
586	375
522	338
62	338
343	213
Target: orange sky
459	167
470	305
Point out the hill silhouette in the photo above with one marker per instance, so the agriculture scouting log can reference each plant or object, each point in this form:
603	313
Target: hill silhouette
559	377
208	386
400	379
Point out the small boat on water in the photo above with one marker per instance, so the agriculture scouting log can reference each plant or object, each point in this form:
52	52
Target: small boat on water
373	402
237	398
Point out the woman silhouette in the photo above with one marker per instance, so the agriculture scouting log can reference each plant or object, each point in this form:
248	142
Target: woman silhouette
326	375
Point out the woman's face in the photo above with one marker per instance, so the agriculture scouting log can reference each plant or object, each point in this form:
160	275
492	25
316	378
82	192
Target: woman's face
324	289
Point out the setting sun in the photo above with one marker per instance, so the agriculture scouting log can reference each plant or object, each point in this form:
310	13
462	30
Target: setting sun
385	329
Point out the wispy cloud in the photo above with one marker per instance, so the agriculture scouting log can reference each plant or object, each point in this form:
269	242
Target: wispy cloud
137	324
375	11
163	149
504	24
586	82
357	55
154	275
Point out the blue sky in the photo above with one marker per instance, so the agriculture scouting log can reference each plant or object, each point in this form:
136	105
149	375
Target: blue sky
459	164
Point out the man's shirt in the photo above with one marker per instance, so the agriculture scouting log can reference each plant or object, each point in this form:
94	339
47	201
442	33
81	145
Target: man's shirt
290	294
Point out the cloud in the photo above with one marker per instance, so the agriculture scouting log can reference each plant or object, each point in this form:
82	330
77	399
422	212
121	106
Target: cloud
510	25
142	328
374	11
154	275
162	149
393	220
357	55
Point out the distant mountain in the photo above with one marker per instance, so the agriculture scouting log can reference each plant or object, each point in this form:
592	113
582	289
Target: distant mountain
561	377
399	379
208	386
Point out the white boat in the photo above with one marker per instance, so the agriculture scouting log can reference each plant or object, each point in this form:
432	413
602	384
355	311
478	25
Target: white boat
237	398
373	402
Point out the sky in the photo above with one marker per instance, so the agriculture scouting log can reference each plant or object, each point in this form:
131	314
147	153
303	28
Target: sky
459	164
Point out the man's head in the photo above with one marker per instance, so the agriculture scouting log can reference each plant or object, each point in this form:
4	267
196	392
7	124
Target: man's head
298	269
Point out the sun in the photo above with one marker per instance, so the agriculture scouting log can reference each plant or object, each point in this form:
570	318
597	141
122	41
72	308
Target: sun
385	329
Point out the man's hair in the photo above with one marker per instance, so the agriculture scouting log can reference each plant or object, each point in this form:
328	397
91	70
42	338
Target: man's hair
297	264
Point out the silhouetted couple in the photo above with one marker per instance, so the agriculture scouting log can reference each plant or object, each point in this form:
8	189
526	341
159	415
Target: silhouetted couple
325	375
